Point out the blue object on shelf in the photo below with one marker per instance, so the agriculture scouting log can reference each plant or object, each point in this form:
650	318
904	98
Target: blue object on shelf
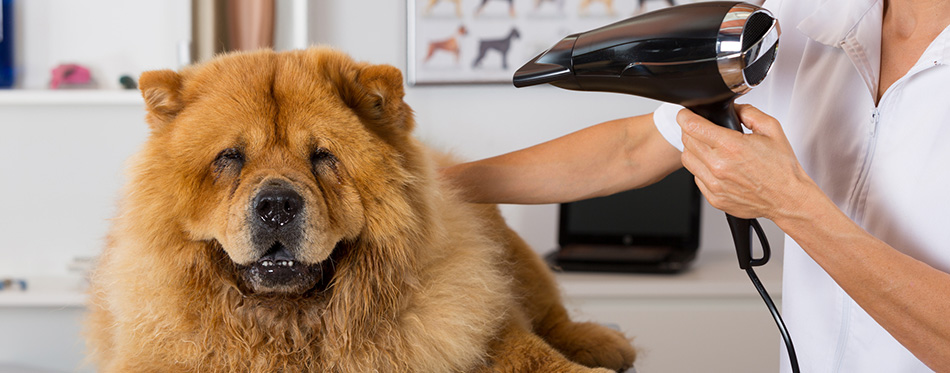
10	283
6	45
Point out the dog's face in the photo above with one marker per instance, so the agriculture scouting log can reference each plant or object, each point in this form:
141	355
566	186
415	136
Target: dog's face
276	158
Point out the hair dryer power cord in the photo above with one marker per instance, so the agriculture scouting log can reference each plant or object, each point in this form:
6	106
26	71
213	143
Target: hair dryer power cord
792	358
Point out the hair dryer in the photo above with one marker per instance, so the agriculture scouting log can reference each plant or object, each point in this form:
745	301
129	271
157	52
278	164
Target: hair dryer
700	55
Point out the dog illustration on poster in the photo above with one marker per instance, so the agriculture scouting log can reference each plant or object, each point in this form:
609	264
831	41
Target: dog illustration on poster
584	8
450	45
511	7
538	4
501	45
433	3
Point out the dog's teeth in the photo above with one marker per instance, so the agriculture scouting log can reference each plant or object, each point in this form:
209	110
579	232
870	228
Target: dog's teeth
278	263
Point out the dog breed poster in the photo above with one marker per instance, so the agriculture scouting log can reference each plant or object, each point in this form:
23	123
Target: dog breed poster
485	41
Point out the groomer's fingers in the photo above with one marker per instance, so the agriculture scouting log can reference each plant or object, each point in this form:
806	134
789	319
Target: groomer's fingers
711	196
693	144
708	156
690	143
696	165
703	130
705	191
757	121
697	155
720	202
714	189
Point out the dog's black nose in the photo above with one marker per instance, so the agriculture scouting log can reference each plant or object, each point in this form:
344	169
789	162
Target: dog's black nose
277	206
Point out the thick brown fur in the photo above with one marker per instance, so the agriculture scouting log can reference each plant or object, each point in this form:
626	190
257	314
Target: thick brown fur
422	281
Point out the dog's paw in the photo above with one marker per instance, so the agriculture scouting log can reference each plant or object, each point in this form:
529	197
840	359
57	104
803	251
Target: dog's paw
593	345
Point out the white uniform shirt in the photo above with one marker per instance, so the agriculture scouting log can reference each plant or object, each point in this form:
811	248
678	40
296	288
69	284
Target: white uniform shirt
886	166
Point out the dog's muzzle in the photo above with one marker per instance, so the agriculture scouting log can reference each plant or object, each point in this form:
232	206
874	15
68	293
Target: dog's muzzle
276	218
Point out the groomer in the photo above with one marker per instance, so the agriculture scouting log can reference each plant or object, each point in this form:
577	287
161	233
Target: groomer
852	161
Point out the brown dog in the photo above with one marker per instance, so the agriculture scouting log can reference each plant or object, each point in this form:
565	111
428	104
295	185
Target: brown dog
282	218
451	45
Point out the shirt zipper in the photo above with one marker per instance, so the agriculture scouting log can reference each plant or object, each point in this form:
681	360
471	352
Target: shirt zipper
856	201
861	184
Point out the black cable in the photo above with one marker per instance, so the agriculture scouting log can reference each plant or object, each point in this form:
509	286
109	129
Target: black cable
792	358
778	319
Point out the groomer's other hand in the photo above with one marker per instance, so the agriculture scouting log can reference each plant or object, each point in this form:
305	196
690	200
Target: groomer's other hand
746	175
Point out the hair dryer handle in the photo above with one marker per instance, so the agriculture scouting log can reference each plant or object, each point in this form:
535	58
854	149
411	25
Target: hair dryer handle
722	113
742	237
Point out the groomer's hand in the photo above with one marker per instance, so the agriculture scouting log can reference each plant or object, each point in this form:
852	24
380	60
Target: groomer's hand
746	175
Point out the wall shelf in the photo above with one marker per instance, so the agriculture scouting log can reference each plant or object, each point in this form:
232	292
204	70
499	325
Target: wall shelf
47	292
716	275
42	97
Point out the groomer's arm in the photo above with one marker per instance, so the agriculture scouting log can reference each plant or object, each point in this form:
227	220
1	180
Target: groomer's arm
757	175
599	160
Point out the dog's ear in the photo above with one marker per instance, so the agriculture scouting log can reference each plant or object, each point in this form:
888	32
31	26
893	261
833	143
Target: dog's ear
376	94
161	91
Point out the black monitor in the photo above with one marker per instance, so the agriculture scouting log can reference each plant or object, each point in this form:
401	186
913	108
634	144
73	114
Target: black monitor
650	229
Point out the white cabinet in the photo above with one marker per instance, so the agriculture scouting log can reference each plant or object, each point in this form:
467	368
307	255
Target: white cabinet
62	157
710	319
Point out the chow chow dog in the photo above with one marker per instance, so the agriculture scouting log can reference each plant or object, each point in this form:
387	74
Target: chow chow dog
281	217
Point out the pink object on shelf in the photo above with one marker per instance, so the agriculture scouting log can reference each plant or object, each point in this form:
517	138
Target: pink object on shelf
66	75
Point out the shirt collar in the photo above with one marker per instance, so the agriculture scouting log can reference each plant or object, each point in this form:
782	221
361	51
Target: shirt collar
853	26
834	20
831	23
938	53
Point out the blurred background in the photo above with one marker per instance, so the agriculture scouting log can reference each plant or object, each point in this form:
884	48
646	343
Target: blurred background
62	154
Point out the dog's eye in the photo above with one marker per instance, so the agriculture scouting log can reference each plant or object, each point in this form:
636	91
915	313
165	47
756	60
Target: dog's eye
228	157
321	156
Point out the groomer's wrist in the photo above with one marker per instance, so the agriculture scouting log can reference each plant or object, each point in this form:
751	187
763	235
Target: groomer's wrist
805	206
